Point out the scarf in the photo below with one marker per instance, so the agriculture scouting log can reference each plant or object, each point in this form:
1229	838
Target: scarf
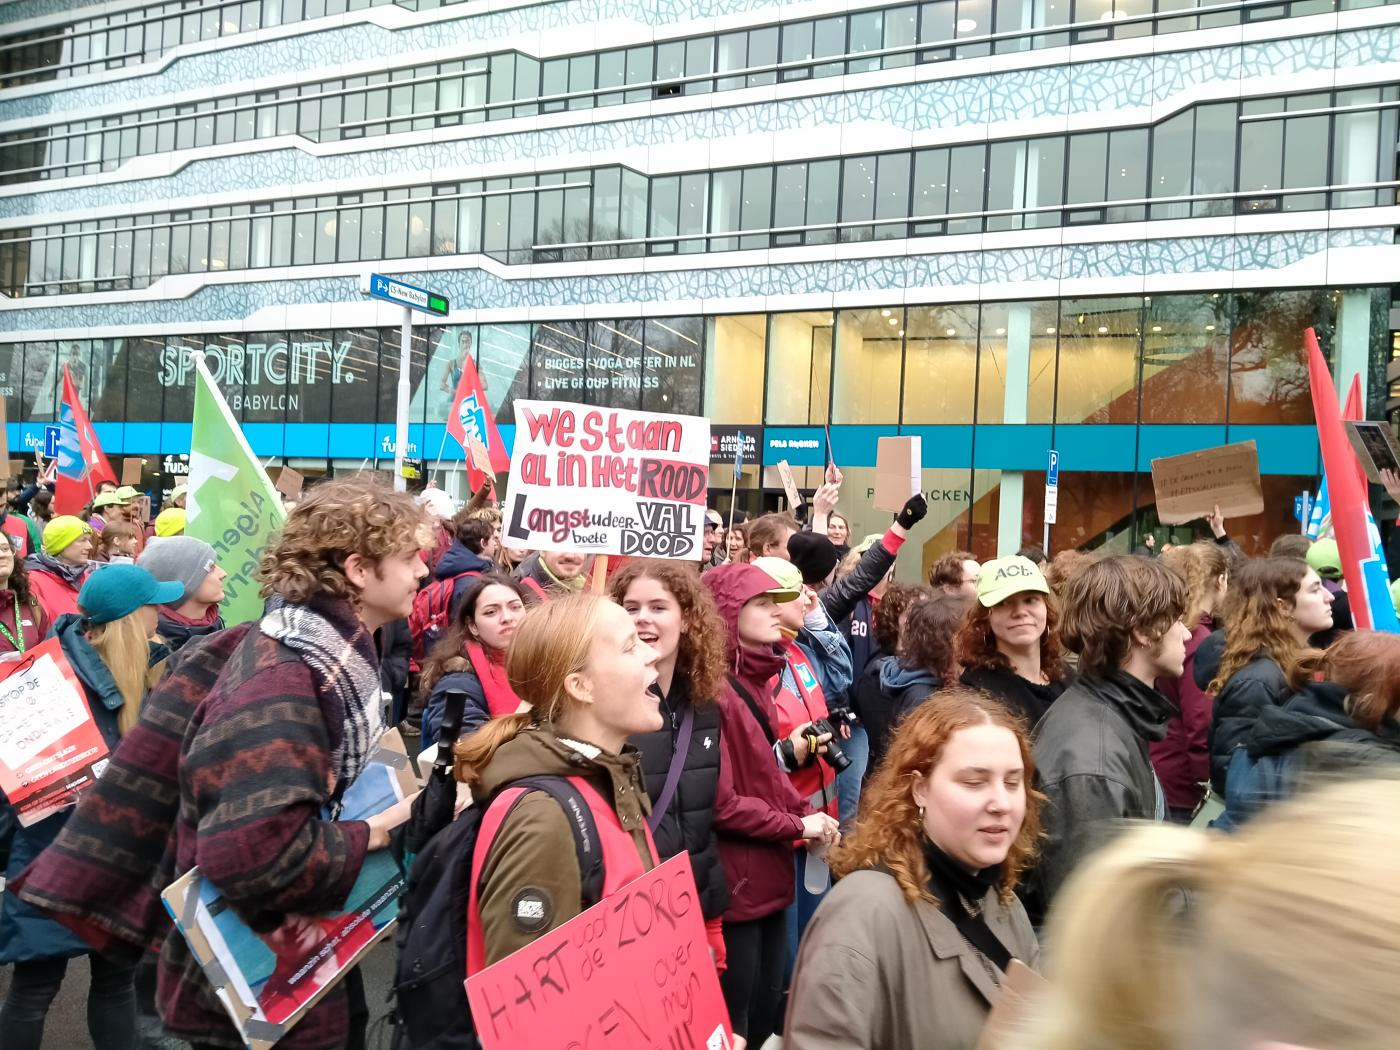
960	894
489	665
340	651
64	570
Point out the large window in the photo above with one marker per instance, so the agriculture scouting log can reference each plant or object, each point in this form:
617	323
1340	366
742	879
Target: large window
799	367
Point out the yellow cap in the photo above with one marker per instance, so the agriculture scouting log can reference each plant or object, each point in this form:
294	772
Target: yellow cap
171	522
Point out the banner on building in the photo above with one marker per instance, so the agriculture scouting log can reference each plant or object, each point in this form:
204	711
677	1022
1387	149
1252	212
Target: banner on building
631	973
268	981
607	481
231	504
50	748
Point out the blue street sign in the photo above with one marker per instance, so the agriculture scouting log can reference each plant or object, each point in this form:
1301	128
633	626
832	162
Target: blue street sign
1052	471
409	295
51	434
1300	507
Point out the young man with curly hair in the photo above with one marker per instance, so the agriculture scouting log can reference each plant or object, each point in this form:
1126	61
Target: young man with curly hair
289	723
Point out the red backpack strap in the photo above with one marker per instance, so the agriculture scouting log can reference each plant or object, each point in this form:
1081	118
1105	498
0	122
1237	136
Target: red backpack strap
598	804
534	585
496	813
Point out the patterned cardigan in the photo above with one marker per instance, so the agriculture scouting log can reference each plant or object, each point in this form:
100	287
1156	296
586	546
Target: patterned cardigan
104	874
255	772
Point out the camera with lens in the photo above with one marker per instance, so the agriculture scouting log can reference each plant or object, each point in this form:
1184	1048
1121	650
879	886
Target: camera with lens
836	758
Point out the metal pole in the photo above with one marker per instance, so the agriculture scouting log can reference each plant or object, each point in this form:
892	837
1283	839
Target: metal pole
1045	542
401	414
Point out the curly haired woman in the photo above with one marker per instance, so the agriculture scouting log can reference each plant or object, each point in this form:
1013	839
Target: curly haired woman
910	948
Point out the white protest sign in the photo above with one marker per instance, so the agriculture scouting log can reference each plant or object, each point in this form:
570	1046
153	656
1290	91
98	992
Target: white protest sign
607	481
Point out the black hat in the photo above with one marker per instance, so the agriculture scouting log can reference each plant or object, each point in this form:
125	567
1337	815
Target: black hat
815	556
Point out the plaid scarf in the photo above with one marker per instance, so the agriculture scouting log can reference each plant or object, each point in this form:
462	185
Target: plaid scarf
340	651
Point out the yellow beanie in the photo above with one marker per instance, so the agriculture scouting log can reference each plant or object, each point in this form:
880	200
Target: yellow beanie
60	533
170	522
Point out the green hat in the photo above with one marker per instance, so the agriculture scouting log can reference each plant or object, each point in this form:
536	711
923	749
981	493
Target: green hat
783	573
108	499
1395	595
114	591
128	493
1325	559
1002	577
61	531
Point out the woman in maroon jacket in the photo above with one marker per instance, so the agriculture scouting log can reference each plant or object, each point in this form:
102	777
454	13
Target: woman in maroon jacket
1182	758
758	814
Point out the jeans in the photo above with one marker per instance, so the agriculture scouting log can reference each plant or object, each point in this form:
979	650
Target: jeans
753	981
857	749
111	1006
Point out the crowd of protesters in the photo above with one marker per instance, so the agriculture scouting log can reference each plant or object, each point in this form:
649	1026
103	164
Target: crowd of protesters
891	793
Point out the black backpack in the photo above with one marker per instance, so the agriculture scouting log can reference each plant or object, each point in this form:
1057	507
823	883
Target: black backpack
431	1009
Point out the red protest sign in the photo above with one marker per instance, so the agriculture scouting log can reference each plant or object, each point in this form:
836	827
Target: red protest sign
631	973
50	748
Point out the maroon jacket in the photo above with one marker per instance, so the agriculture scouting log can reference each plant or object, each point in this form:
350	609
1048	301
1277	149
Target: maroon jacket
758	813
1182	759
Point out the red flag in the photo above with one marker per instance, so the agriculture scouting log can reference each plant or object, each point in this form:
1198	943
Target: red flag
81	463
1347	493
471	414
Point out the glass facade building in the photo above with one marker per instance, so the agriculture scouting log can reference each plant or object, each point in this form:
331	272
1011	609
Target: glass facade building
1096	226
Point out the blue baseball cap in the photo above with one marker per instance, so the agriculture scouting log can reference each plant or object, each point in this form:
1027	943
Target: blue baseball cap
114	591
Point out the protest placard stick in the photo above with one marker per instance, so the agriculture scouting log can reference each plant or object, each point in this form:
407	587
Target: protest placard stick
600	573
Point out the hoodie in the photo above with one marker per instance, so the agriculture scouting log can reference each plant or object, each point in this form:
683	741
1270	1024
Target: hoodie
1310	733
907	688
758	813
459	559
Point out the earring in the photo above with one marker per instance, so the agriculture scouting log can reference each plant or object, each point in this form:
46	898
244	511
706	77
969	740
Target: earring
921	814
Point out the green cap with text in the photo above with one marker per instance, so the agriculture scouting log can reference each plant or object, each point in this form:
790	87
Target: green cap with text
1003	577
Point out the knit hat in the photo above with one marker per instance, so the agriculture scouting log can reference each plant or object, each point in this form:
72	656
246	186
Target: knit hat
170	522
61	531
815	556
1325	559
181	559
117	590
1002	577
108	499
177	492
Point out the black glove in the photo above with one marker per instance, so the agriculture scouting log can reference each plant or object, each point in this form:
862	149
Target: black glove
912	513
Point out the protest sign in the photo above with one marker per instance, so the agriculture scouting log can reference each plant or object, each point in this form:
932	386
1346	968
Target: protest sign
50	748
16	468
607	481
268	981
794	498
633	973
289	482
899	464
131	471
481	457
1191	486
1375	446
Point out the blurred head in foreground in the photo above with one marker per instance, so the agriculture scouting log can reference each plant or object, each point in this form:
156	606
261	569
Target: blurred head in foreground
1290	939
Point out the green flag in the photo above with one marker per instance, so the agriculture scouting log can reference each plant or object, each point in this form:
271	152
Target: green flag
231	504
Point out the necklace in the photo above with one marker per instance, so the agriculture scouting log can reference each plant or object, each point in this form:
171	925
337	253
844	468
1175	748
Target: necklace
17	642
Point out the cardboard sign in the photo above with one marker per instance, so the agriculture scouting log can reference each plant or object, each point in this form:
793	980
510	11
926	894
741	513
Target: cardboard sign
143	508
607	481
17	468
289	482
50	748
794	497
131	471
481	457
899	464
631	973
267	982
1375	446
1191	486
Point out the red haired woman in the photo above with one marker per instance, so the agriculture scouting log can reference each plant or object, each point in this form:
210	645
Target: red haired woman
910	948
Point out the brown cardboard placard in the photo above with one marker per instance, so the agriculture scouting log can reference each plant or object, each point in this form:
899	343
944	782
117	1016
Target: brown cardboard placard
143	508
481	458
1019	989
794	497
1375	446
131	470
16	467
1191	486
898	471
289	482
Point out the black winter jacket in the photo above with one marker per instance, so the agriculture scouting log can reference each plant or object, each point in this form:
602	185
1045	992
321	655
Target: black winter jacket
1258	684
689	821
1092	764
1025	698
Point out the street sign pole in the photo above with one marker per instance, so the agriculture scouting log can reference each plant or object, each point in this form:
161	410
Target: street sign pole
1052	497
411	298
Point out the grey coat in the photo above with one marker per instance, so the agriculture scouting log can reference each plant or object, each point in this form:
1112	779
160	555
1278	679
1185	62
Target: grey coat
877	973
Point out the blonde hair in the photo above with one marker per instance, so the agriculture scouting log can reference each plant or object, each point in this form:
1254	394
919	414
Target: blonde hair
1291	933
551	643
126	650
1200	566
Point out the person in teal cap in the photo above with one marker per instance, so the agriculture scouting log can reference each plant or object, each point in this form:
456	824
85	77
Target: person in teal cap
1325	559
108	643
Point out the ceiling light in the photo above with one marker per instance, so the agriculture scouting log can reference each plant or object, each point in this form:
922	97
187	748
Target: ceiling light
1103	329
950	331
894	320
1156	328
885	312
1050	330
901	333
1210	328
966	25
1001	331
